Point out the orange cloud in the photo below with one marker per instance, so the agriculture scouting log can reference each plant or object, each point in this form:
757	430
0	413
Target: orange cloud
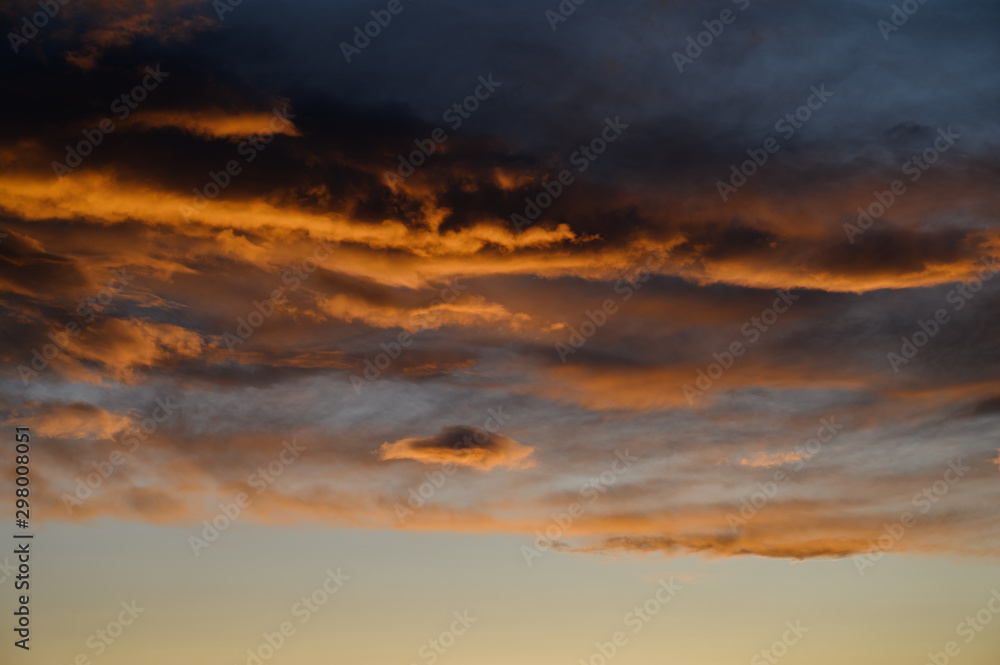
106	24
467	311
768	460
215	124
121	347
462	446
77	420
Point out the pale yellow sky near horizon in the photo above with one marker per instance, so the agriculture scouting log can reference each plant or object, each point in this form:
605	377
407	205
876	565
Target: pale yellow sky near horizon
401	590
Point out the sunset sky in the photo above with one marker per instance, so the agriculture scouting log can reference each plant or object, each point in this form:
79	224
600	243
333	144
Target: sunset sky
531	313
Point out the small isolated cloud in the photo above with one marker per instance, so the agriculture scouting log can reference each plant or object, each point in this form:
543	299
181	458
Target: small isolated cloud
463	446
769	460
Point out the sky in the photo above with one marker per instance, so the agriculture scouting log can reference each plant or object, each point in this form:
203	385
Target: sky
499	326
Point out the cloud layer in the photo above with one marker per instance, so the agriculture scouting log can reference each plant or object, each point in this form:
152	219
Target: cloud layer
270	278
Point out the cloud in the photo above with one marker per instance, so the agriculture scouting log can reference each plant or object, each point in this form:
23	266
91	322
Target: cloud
214	124
725	545
198	273
463	446
78	420
771	459
106	25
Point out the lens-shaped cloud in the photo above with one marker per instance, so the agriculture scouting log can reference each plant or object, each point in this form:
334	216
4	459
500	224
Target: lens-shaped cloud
463	446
